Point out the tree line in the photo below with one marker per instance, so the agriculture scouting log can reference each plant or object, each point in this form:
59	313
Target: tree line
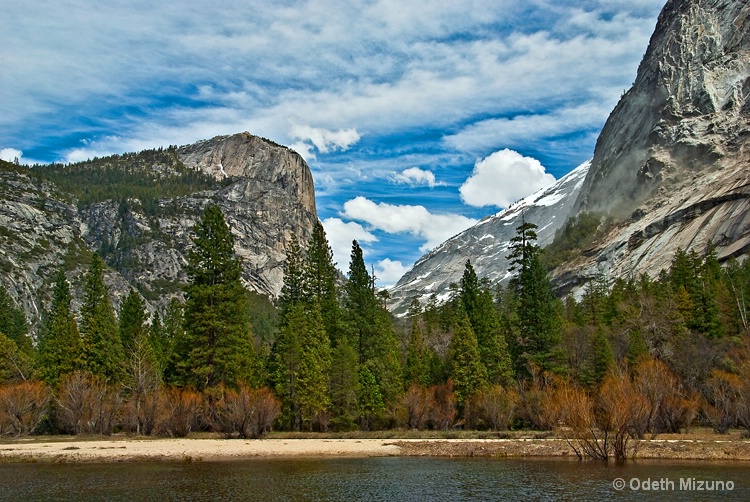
630	357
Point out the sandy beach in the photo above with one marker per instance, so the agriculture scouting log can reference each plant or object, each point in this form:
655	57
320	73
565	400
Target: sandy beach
124	449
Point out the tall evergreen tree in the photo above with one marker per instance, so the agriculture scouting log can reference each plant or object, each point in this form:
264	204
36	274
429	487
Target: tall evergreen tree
314	367
132	320
320	282
467	371
217	347
539	319
479	305
372	332
417	363
294	289
13	323
61	349
102	347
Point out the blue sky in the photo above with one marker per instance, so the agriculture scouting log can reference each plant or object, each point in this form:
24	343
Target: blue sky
418	118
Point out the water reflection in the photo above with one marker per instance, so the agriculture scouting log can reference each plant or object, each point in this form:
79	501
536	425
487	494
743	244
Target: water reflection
347	479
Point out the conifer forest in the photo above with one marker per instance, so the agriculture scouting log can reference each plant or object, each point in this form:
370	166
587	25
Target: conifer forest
631	357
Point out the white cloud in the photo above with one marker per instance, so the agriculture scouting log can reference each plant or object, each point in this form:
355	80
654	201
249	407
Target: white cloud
10	154
324	140
388	272
415	176
503	178
340	236
414	220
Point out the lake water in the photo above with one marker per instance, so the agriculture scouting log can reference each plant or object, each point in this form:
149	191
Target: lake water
386	479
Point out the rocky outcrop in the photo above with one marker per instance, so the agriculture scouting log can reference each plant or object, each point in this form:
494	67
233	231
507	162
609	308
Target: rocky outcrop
486	244
266	194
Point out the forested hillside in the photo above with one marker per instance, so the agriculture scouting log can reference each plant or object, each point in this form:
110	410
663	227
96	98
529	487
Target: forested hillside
632	357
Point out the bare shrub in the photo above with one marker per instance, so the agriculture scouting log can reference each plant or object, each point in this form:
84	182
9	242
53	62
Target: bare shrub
497	406
443	410
23	406
620	411
86	404
536	405
606	425
723	392
246	412
669	409
417	405
140	414
180	412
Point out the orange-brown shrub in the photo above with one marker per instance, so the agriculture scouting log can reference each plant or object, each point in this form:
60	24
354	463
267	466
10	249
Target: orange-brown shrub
85	404
23	406
418	402
492	407
180	412
246	412
443	410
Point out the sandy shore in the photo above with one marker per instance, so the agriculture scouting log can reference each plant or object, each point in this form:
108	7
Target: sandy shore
128	449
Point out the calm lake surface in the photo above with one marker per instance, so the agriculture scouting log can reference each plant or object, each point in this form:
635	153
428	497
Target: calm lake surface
390	478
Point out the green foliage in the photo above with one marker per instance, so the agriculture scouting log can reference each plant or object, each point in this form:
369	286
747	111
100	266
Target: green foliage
132	320
467	371
480	309
369	398
575	236
149	175
216	347
13	323
61	349
102	348
537	341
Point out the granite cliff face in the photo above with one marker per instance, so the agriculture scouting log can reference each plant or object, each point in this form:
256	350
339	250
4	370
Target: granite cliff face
265	191
675	151
671	168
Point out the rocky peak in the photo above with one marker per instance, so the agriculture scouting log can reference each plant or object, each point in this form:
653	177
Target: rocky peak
676	148
264	190
687	110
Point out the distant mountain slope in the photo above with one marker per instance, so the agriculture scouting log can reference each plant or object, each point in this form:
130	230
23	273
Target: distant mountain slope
137	210
486	243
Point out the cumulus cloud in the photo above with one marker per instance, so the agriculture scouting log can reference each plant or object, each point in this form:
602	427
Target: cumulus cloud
415	176
324	140
414	220
503	178
388	272
340	235
10	154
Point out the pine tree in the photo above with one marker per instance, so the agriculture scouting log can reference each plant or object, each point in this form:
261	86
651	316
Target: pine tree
360	303
539	319
369	398
314	367
13	324
320	282
61	349
102	348
604	359
294	290
372	333
132	320
217	347
467	371
478	303
417	364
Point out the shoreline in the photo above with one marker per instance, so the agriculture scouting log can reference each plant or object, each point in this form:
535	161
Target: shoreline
126	449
